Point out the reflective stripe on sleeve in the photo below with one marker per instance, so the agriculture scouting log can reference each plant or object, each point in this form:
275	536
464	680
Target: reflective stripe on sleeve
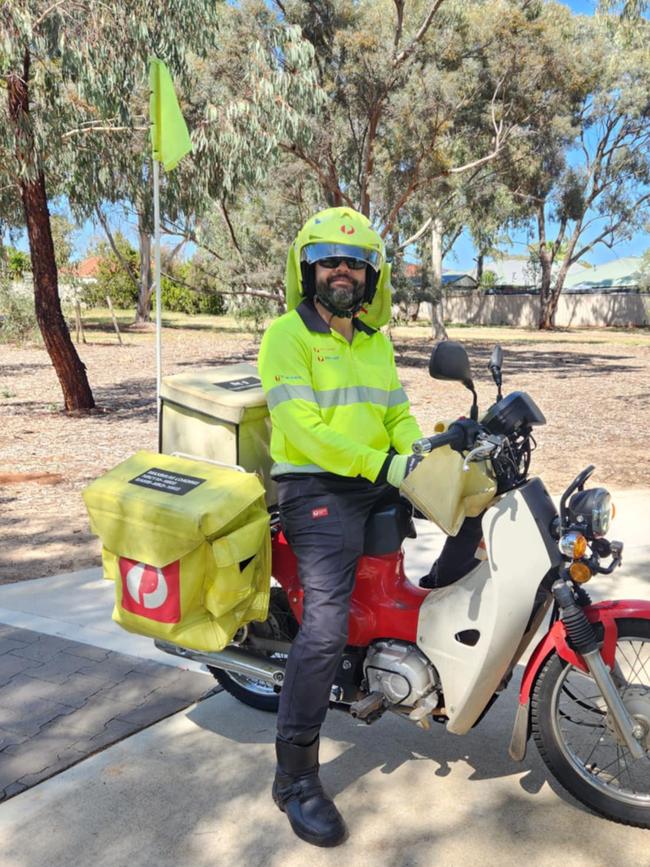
281	393
330	397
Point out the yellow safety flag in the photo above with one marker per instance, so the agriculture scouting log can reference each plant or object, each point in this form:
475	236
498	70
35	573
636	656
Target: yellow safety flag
170	139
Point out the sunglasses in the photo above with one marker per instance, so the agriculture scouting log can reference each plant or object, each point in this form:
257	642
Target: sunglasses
334	262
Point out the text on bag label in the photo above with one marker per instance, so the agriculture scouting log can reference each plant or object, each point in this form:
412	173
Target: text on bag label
166	481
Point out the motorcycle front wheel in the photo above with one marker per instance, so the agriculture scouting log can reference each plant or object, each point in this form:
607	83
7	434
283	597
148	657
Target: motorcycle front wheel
576	737
280	625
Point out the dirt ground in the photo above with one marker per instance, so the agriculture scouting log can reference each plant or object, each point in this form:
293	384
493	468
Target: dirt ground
594	388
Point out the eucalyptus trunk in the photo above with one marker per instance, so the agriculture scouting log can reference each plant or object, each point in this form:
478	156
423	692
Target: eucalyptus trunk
438	331
143	310
69	368
480	263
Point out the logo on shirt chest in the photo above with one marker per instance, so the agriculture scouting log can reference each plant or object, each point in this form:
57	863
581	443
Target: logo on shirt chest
325	354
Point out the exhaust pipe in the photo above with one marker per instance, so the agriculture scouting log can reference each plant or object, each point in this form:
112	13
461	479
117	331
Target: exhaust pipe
231	659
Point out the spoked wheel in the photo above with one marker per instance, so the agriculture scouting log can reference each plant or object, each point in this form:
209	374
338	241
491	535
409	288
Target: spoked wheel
280	625
577	739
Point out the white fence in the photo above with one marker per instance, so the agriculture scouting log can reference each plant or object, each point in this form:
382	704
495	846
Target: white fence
68	292
621	309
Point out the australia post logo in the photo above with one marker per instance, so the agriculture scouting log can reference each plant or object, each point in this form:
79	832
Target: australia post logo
151	592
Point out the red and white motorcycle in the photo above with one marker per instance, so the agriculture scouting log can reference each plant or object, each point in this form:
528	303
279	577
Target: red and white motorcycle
446	654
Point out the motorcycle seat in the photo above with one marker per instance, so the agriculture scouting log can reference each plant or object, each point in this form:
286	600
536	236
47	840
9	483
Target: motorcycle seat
387	527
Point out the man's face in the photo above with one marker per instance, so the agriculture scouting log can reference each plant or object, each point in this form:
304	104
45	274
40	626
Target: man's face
343	287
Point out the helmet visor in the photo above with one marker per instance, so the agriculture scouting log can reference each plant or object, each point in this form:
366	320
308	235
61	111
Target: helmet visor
316	252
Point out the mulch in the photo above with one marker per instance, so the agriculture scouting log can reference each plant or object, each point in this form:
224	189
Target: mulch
595	393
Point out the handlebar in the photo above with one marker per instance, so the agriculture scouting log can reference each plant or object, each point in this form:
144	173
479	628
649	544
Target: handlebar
461	435
428	444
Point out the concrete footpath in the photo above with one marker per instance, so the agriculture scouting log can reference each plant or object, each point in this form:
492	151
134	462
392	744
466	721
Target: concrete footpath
193	789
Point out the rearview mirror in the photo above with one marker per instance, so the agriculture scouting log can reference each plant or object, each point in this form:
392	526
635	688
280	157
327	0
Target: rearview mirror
449	361
496	359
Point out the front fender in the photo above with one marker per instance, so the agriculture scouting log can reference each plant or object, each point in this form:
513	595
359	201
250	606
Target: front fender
555	640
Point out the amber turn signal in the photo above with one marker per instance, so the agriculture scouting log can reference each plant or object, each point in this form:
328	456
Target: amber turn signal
573	545
580	572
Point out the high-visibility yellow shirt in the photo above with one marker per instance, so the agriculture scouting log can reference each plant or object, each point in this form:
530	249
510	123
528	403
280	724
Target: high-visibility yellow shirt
335	406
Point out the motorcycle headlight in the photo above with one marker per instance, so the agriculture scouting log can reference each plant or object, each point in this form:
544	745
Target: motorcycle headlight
591	511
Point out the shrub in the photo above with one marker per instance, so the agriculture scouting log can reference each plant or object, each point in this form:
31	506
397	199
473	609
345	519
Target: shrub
112	279
212	303
178	298
488	280
17	316
18	263
252	311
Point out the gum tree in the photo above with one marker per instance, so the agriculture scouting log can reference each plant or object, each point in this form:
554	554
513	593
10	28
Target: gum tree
66	65
586	176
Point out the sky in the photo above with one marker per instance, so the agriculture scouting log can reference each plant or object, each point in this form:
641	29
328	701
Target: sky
460	258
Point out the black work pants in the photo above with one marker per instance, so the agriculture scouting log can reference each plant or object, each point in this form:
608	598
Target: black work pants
323	517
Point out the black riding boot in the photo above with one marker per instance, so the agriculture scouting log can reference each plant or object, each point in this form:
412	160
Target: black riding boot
298	792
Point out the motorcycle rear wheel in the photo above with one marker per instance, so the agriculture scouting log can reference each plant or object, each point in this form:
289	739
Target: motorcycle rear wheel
280	625
576	739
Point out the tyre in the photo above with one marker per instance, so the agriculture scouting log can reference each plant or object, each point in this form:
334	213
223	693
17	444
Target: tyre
577	740
280	625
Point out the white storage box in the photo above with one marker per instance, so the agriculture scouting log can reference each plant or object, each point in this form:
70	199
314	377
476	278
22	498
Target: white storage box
219	413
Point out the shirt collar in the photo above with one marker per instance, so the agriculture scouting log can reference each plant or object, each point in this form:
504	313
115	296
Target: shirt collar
312	319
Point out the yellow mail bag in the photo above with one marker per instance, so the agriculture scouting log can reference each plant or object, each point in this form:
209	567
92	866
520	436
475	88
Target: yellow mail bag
447	494
188	546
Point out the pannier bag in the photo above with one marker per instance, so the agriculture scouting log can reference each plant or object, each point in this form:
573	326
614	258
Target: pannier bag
187	544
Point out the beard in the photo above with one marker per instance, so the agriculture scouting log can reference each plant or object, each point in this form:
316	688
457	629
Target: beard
344	296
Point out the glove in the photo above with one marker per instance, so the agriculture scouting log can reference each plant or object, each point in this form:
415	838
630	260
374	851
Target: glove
399	468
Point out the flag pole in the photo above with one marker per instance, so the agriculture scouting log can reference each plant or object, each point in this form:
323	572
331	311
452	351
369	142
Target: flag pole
156	218
170	141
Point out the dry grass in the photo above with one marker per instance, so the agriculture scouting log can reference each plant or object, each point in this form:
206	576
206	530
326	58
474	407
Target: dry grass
593	386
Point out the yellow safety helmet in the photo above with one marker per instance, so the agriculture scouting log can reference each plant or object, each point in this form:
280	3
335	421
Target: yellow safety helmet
340	232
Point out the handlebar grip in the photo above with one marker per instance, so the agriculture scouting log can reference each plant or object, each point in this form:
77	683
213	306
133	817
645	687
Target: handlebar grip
452	437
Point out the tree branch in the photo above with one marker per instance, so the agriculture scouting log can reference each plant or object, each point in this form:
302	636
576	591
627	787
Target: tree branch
610	229
257	293
399	204
103	129
51	8
416	237
500	139
190	235
419	36
111	240
368	159
231	230
399	8
328	183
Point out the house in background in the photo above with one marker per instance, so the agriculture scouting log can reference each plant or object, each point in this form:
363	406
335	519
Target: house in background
71	279
621	275
451	280
517	275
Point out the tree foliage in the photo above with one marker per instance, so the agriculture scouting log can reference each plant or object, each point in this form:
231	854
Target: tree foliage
67	66
584	179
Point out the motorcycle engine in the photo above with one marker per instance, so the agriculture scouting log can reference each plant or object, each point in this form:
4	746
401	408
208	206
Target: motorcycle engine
399	671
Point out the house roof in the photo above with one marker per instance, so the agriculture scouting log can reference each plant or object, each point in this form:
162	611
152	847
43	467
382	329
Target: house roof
519	272
413	271
620	272
449	277
88	267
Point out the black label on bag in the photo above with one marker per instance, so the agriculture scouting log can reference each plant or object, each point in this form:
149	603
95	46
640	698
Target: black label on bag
167	482
243	384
